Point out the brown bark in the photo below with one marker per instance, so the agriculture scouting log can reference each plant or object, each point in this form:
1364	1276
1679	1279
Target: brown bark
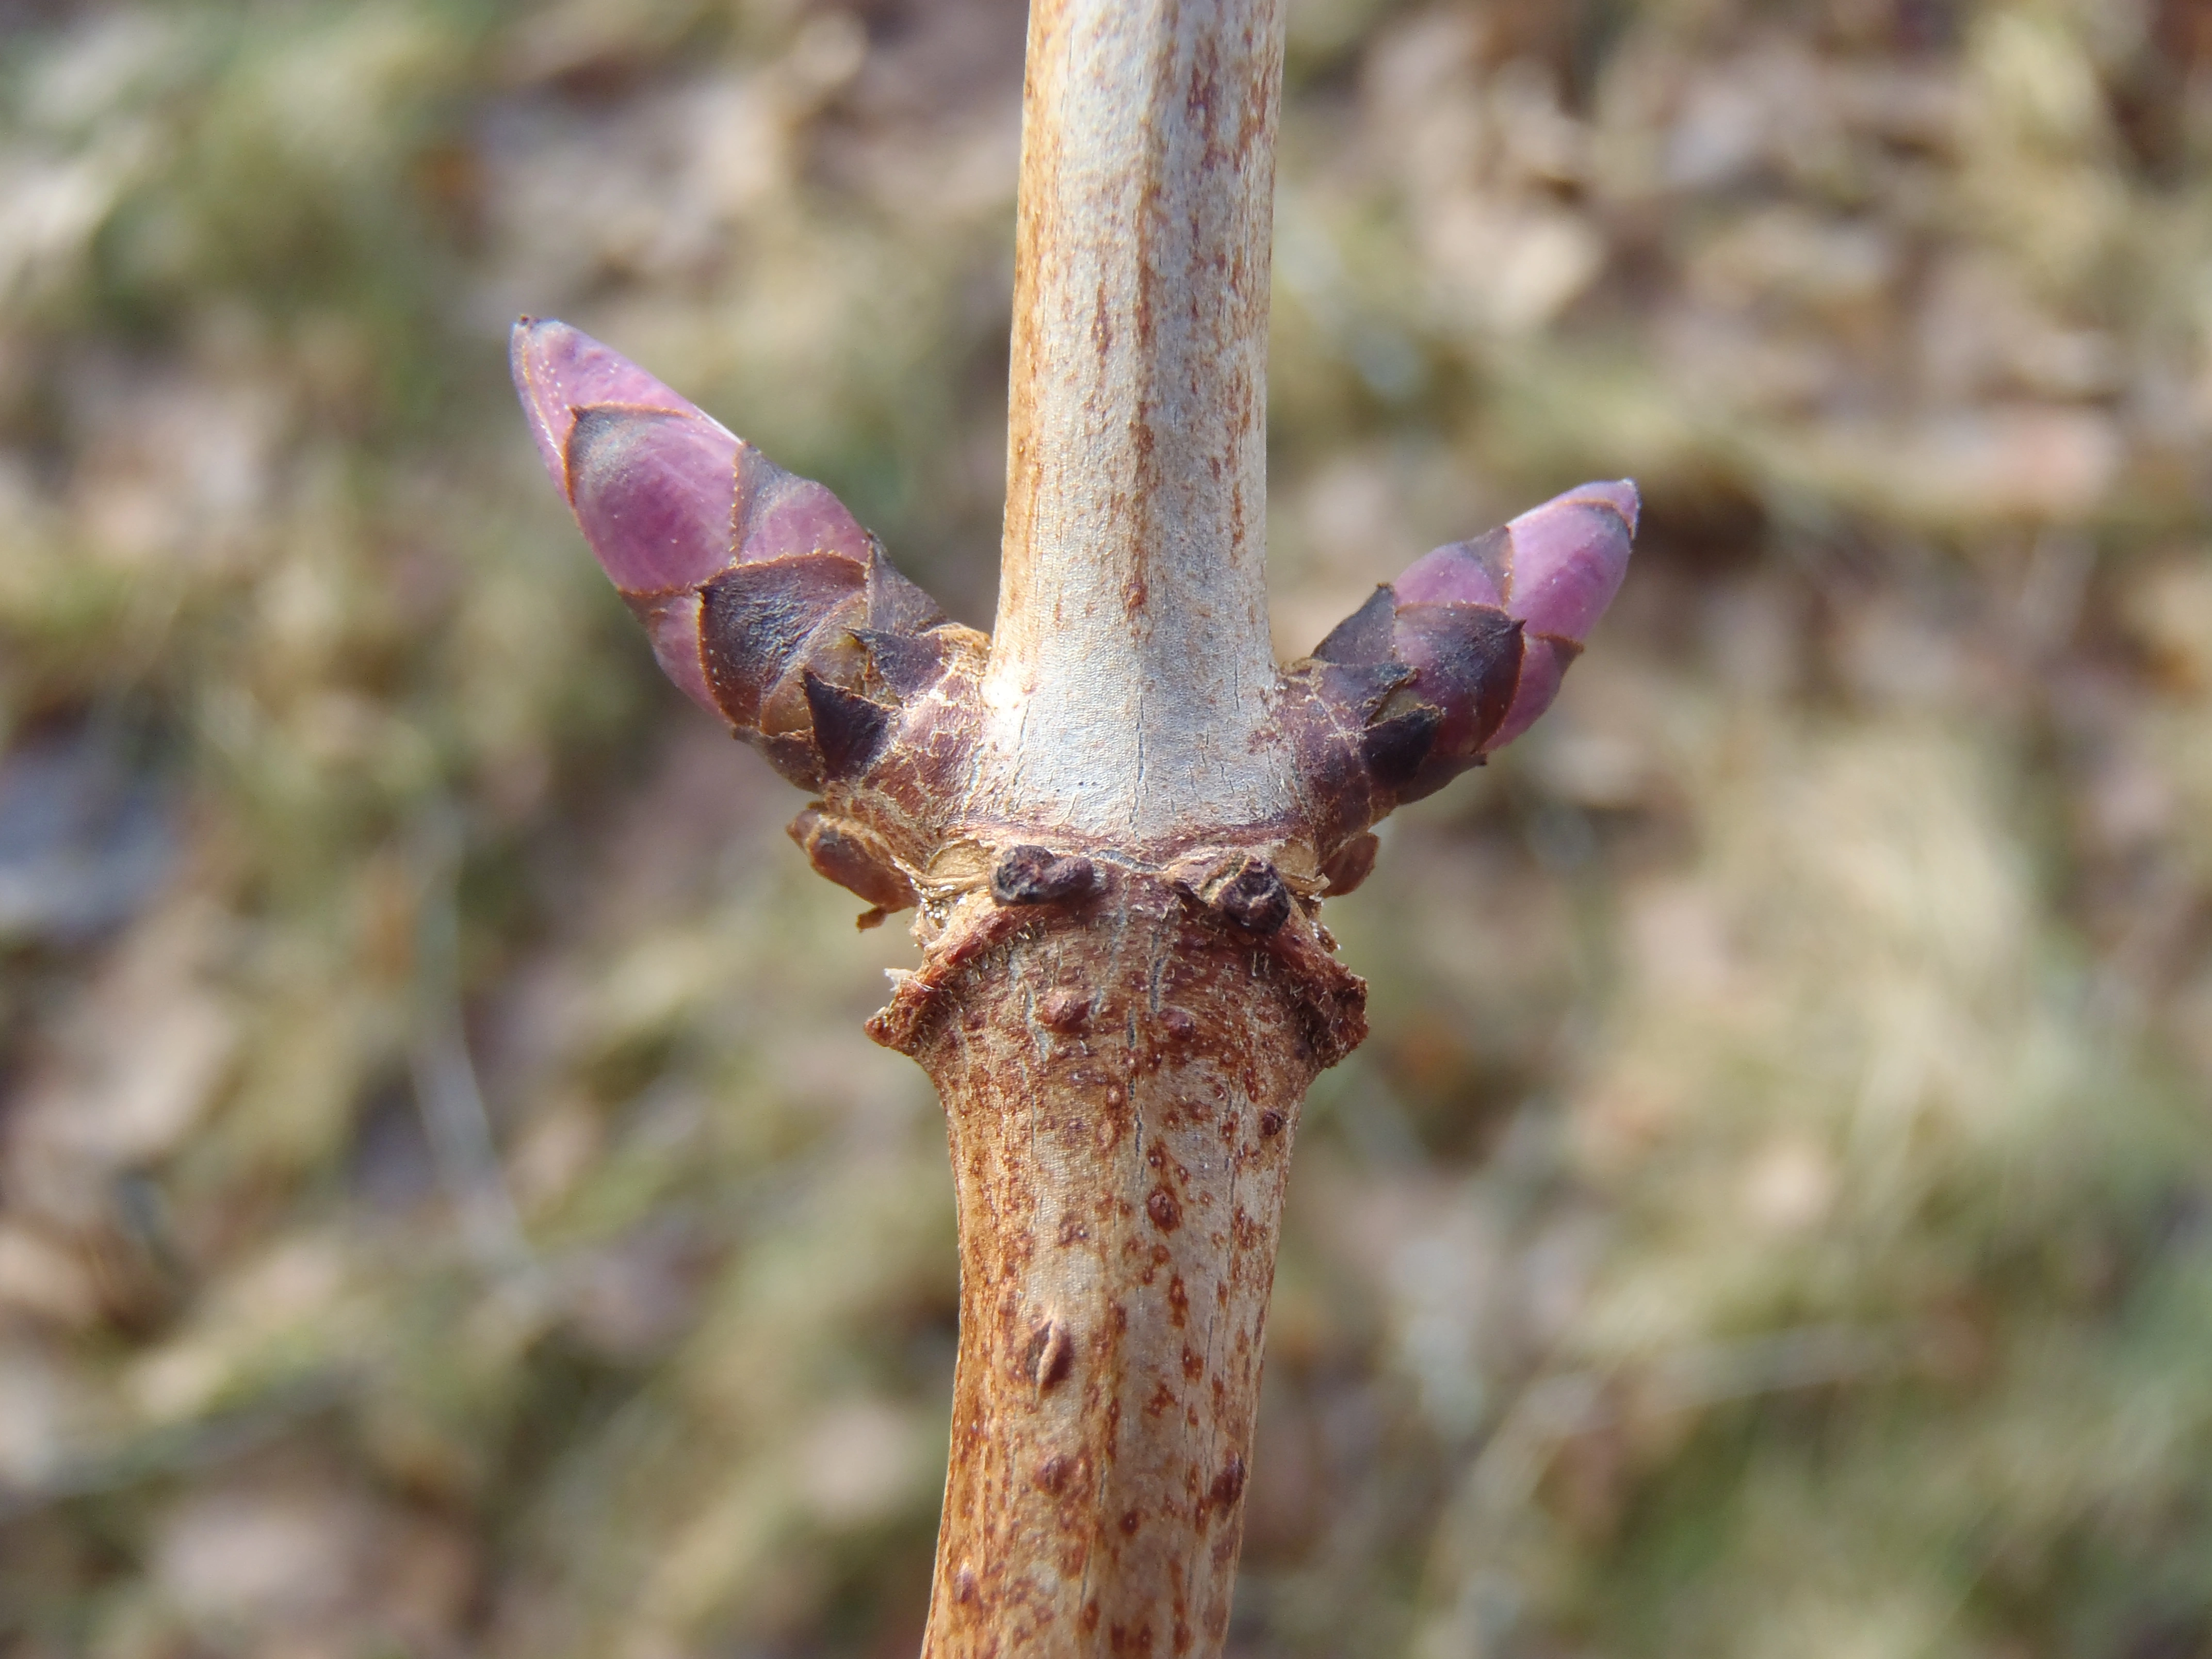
1121	1073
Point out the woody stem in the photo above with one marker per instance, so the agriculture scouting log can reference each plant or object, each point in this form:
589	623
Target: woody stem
1131	663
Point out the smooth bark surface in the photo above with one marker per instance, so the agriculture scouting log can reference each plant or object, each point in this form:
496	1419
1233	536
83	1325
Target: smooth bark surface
1130	665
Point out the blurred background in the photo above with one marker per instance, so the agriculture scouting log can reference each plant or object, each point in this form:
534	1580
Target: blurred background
447	1205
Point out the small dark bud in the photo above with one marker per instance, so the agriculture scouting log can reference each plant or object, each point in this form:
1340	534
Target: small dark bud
1271	1124
1254	898
1037	875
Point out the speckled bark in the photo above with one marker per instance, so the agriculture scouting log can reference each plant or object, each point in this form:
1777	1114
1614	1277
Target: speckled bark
1121	1079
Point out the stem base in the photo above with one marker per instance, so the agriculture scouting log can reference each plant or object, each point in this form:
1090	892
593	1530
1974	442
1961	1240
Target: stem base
1121	1082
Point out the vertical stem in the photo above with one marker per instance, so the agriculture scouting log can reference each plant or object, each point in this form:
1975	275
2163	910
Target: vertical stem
1131	661
1120	1061
1122	1089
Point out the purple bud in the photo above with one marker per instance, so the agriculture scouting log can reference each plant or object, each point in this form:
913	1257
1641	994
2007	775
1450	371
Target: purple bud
1478	572
1567	557
558	370
1555	568
697	528
1486	628
765	600
667	497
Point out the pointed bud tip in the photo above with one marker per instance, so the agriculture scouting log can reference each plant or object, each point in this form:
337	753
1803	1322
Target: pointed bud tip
1569	557
548	418
1619	494
651	478
558	366
559	371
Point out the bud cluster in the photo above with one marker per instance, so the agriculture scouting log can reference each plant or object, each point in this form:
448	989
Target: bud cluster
771	607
